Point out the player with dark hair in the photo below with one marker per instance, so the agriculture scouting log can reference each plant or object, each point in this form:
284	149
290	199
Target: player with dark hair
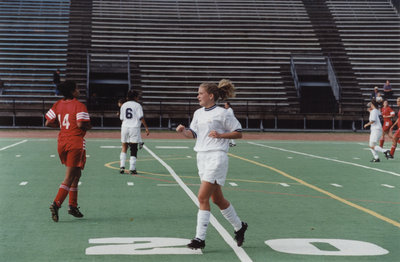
396	136
131	115
387	114
73	119
213	127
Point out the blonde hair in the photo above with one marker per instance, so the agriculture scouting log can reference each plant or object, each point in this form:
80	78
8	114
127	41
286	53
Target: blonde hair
225	89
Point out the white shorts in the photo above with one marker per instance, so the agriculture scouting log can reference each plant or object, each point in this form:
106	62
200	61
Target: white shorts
213	166
374	137
130	135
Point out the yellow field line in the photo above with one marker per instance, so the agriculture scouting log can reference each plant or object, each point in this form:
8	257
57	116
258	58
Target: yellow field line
366	210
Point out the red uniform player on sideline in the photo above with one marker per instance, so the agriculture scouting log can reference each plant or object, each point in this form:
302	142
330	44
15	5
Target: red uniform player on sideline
396	135
387	114
73	119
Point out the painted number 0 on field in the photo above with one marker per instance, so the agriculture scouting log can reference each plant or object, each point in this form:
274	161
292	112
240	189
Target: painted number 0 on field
140	246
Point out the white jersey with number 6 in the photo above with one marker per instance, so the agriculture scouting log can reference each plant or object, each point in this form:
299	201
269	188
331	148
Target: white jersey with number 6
131	113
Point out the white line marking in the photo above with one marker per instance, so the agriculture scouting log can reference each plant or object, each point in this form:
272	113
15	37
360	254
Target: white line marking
87	155
110	146
328	159
336	185
17	155
52	155
256	157
130	183
389	186
23	183
79	183
289	157
284	184
356	158
167	185
189	156
15	144
233	184
240	252
172	147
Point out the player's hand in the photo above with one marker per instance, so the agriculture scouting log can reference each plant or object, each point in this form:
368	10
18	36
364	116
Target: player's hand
214	134
180	128
147	132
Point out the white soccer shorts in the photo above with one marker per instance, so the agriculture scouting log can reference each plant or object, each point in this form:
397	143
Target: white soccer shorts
130	135
213	166
374	137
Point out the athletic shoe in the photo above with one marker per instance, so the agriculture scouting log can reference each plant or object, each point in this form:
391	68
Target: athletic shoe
74	211
387	154
54	212
196	243
239	235
375	160
133	172
232	144
122	170
141	145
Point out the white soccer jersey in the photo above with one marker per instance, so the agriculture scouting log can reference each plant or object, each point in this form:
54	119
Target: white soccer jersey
374	116
131	113
215	118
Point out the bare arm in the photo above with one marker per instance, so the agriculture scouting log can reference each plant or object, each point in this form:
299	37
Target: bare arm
145	126
230	135
186	132
84	125
53	124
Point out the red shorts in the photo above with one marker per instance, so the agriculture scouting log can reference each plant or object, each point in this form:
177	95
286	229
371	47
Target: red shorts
72	154
386	126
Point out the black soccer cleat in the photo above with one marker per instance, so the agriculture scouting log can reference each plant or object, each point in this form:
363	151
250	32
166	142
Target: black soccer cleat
196	243
375	160
133	172
74	211
54	212
122	170
141	145
239	235
387	154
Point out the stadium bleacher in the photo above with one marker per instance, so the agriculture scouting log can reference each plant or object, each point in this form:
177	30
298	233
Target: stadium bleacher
175	45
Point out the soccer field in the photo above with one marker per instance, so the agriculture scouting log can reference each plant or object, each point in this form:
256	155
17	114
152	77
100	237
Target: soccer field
303	201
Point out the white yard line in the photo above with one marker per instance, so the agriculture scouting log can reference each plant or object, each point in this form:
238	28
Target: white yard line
328	159
15	144
240	252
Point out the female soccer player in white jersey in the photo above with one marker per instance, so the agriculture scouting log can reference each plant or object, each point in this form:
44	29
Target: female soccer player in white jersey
131	115
213	127
376	131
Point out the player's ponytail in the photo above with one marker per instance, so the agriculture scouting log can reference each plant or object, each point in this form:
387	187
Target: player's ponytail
226	89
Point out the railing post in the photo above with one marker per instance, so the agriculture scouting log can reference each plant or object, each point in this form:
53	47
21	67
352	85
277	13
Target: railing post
87	73
247	114
14	112
160	115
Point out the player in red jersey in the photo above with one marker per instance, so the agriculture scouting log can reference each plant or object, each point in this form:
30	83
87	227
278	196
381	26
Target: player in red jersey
387	114
396	135
73	119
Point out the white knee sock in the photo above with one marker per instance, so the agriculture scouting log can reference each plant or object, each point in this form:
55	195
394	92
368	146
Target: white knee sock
374	154
132	163
203	218
379	149
232	217
122	159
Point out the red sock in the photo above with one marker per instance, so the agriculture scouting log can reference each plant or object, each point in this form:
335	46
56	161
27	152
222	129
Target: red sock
393	149
381	142
61	195
73	197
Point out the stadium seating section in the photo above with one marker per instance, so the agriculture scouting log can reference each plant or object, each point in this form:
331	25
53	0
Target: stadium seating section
173	46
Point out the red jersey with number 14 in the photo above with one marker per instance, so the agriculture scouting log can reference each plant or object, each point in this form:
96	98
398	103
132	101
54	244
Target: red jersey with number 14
69	113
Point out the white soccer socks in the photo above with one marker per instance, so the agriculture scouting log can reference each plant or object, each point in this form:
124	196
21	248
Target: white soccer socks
203	218
122	159
232	217
379	149
132	163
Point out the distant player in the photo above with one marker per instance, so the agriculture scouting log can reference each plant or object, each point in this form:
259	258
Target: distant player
131	114
228	107
376	130
213	127
396	135
387	114
73	119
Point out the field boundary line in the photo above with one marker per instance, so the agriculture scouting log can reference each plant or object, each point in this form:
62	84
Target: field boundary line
366	210
240	252
327	158
15	144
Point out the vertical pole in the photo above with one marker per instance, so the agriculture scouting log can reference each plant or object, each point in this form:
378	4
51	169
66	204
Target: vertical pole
160	115
129	71
305	120
87	73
